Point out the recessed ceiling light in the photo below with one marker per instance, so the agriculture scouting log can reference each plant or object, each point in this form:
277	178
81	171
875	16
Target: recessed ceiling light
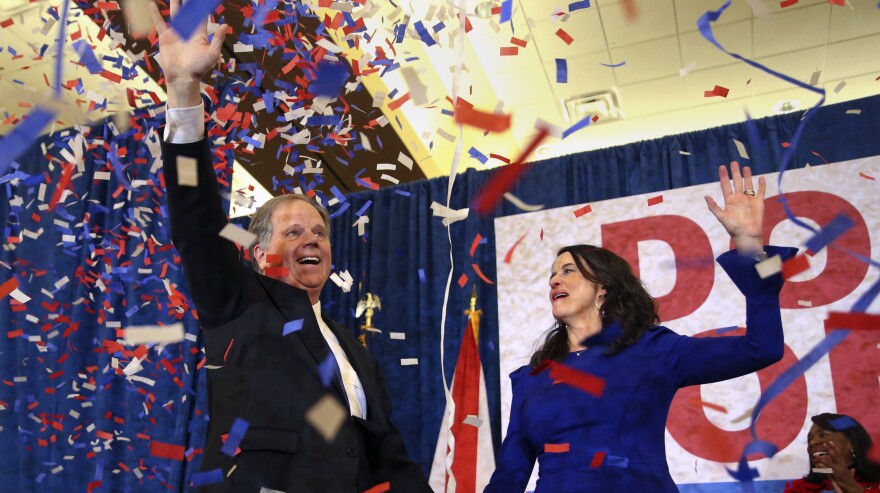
484	9
787	106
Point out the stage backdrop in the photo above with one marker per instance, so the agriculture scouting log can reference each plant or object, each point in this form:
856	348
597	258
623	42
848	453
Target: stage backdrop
671	239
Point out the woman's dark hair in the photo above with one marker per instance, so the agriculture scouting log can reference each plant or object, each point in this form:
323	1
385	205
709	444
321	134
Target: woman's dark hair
626	301
861	442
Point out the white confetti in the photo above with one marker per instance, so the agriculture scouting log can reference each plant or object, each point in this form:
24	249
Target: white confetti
238	235
144	334
409	361
327	416
767	268
187	176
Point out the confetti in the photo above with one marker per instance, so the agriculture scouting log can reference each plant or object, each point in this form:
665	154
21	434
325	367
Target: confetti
513	199
467	115
769	267
830	233
583	211
556	448
153	334
380	488
191	15
234	437
292	326
238	235
17	141
652	201
590	384
205	478
505	178
741	149
509	255
409	361
598	459
326	416
564	36
474	421
187	175
167	450
794	266
561	71
397	336
850	320
717	91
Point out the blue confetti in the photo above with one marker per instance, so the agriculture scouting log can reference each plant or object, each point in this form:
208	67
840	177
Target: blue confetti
213	476
21	137
561	71
506	11
192	15
327	369
329	79
613	65
479	156
424	35
236	433
585	121
87	56
292	326
842	423
584	4
422	276
363	209
403	192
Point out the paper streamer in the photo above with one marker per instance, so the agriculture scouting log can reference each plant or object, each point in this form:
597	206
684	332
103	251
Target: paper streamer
18	141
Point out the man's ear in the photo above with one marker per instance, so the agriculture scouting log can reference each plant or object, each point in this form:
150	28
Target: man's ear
260	256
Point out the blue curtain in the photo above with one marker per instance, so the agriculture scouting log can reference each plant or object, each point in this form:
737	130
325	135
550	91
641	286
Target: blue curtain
98	262
69	419
403	238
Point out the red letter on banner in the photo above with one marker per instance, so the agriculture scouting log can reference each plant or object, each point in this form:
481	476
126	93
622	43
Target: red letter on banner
781	420
694	267
855	367
842	273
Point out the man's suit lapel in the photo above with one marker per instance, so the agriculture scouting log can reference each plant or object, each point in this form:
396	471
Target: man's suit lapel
294	304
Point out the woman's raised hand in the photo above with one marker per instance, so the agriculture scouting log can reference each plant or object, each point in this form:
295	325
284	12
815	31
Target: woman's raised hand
743	212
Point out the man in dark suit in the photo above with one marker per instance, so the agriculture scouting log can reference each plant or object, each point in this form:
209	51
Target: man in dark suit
273	359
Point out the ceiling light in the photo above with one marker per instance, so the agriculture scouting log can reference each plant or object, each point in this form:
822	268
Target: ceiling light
484	9
787	106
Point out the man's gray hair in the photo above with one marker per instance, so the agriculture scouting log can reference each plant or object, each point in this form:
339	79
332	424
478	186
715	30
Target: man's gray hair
261	222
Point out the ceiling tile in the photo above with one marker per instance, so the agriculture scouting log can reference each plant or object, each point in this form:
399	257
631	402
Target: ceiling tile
791	30
656	19
848	58
861	20
644	61
583	27
656	96
525	115
521	86
737	78
735	37
687	12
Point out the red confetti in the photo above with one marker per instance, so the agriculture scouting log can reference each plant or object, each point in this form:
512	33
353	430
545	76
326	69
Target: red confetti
839	320
598	459
590	384
7	23
867	177
794	266
655	200
519	42
276	271
717	91
273	258
509	255
504	179
466	114
509	51
700	403
480	273
564	36
477	240
380	488
397	103
837	2
556	448
787	3
8	287
583	211
167	450
462	280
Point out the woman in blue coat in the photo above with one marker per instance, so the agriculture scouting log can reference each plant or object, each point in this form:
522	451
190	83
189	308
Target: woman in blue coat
611	436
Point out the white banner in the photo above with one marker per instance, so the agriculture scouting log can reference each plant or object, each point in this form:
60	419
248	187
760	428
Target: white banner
671	240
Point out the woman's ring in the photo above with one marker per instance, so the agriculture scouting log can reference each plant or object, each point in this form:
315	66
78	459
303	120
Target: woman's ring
750	192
